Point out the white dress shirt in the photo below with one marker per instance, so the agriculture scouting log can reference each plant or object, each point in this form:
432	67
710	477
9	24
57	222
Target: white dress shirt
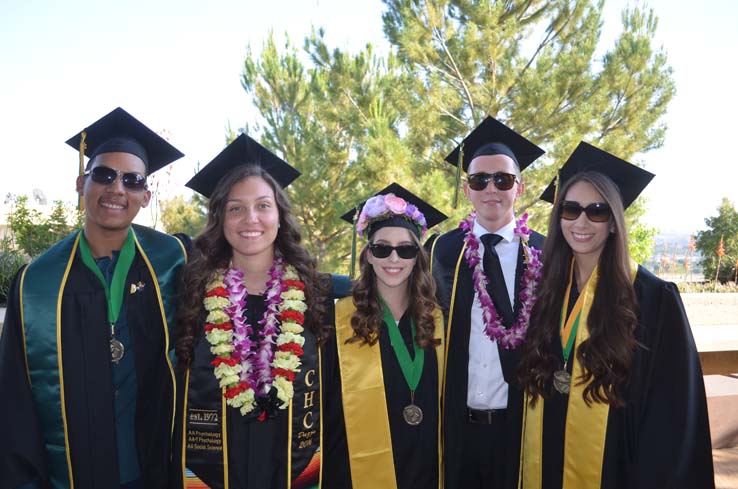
487	388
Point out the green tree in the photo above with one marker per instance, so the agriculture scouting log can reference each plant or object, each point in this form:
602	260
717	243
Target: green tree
353	123
32	232
180	215
724	225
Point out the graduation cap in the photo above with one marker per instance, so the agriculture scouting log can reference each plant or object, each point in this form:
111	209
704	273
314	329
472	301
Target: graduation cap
394	205
242	151
120	132
493	137
630	179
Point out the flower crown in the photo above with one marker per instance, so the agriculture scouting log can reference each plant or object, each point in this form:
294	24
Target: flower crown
382	207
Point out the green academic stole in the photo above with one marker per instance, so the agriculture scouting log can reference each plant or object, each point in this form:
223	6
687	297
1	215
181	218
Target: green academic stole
204	422
365	406
42	285
586	425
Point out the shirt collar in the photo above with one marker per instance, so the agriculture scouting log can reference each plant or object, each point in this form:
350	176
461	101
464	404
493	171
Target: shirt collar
507	231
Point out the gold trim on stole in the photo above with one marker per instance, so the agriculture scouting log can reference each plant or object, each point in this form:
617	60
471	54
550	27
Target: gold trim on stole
451	314
224	436
23	325
184	427
586	426
165	323
59	358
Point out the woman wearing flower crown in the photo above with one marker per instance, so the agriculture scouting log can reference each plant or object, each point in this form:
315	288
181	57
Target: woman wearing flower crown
384	364
248	334
614	391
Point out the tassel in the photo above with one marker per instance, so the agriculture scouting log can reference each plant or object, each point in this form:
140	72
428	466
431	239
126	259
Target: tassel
557	178
352	271
459	165
82	149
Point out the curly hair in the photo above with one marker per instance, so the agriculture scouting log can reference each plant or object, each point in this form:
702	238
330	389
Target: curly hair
211	251
369	313
608	353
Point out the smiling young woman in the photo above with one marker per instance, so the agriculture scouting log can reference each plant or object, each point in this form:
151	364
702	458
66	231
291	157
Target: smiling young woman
384	364
614	391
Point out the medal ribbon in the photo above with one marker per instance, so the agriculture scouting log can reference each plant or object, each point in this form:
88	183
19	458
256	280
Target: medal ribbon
114	293
570	325
411	369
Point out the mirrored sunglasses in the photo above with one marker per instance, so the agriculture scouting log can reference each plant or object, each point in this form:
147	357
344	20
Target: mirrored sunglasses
105	175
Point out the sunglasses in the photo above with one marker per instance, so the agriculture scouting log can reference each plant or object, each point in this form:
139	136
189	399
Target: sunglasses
598	212
406	252
106	176
501	180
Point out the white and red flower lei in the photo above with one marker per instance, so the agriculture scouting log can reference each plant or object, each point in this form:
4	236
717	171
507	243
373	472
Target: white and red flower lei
248	369
493	326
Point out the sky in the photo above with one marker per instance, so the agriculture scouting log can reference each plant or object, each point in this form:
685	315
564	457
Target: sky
175	65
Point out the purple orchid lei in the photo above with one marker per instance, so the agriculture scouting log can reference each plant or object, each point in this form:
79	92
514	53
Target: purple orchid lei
493	327
255	365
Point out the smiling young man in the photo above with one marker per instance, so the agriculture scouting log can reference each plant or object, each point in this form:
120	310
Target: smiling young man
84	351
485	324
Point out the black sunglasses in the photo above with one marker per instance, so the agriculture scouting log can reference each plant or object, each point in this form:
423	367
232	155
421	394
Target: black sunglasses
405	252
598	212
105	175
501	180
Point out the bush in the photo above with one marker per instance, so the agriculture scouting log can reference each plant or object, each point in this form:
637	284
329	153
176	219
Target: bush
727	287
10	261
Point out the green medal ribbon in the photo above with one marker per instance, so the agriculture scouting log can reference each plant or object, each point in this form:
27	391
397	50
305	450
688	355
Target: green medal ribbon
569	326
113	293
411	369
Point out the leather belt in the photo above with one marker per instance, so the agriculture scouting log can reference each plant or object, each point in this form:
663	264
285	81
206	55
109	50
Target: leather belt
484	416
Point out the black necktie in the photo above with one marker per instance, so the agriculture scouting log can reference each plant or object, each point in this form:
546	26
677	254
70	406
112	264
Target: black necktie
495	279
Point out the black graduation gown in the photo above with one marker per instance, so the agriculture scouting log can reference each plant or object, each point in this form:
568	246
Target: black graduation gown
89	396
257	450
661	438
445	255
414	448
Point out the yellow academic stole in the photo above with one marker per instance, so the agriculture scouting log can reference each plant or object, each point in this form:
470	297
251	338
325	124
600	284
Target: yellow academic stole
365	408
586	425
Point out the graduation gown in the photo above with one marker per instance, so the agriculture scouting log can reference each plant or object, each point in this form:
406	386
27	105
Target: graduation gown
87	430
455	292
252	454
415	449
661	438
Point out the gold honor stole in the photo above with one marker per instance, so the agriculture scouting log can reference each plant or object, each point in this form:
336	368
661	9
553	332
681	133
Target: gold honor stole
365	407
586	426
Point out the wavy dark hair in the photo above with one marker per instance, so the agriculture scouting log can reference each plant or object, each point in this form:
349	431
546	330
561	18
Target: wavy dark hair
608	353
369	313
212	251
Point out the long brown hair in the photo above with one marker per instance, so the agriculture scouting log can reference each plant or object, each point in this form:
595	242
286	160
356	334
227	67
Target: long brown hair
607	355
212	252
369	313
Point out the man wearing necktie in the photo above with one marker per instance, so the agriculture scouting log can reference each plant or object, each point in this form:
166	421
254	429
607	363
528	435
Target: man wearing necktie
483	403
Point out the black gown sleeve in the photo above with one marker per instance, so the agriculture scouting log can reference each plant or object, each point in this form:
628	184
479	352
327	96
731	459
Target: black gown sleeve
22	448
336	468
674	448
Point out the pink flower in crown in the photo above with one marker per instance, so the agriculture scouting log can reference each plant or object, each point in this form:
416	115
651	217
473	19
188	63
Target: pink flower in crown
395	204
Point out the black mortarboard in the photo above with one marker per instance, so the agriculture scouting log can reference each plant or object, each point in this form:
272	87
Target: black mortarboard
242	151
432	215
629	178
119	131
493	137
